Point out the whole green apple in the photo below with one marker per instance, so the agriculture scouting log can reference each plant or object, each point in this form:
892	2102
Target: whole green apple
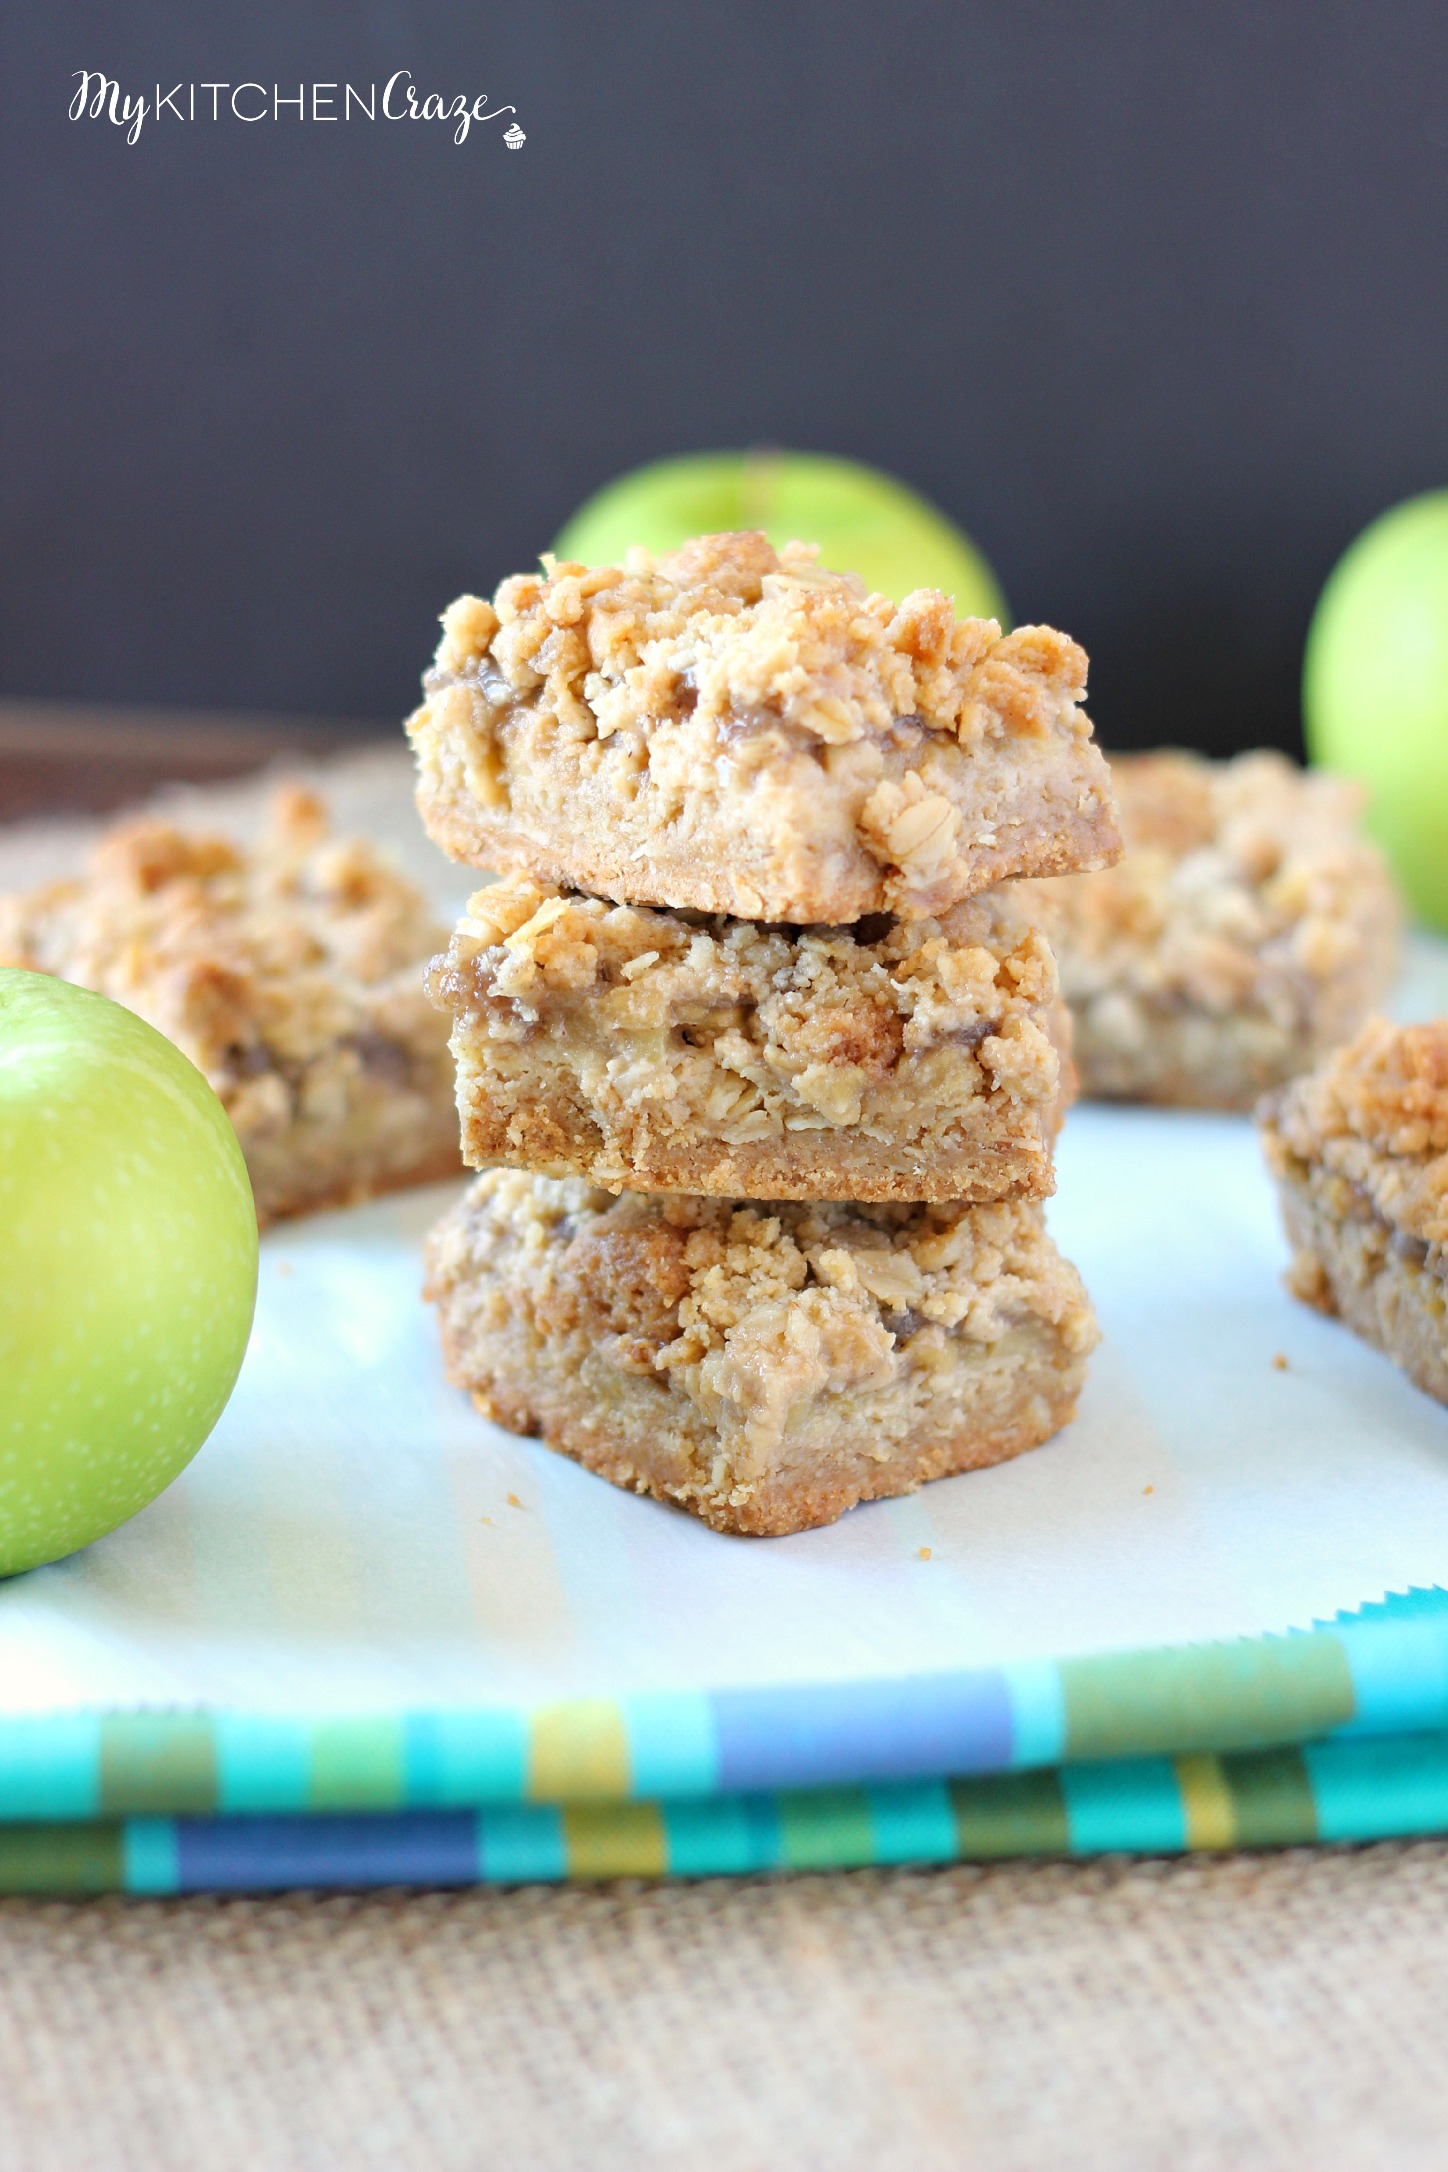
128	1261
1375	688
863	521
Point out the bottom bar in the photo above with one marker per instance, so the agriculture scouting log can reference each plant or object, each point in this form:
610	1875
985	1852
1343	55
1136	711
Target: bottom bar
1339	1790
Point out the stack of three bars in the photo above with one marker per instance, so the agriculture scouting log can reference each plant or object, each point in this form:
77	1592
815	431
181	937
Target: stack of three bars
757	1012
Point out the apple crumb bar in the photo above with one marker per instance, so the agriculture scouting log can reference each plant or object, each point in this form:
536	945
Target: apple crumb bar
765	1367
663	1051
291	975
1249	928
732	730
1359	1150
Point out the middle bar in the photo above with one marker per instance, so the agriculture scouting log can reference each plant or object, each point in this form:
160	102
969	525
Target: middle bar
656	1050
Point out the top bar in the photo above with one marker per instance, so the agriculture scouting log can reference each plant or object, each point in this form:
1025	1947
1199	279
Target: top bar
738	731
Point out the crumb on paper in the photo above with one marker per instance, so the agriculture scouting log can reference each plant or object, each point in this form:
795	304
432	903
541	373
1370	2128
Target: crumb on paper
485	1519
284	1267
513	1501
1279	1363
1148	1489
925	1553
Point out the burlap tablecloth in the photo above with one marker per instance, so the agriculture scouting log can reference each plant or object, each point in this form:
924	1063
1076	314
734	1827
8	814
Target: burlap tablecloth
1242	2013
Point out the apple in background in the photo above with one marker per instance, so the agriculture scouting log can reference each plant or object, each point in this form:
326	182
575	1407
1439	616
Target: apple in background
863	521
1375	689
128	1260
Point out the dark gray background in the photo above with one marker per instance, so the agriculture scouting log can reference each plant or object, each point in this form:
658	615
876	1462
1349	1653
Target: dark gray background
1154	299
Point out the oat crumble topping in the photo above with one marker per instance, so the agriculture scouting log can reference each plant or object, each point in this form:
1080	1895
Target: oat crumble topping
727	628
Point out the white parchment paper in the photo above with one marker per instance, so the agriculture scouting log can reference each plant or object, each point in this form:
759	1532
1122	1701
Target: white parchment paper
354	1536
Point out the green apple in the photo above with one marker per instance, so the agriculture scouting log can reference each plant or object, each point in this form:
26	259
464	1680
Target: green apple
1375	688
863	521
127	1265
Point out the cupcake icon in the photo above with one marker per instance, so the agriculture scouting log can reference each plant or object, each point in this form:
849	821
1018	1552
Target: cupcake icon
514	137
